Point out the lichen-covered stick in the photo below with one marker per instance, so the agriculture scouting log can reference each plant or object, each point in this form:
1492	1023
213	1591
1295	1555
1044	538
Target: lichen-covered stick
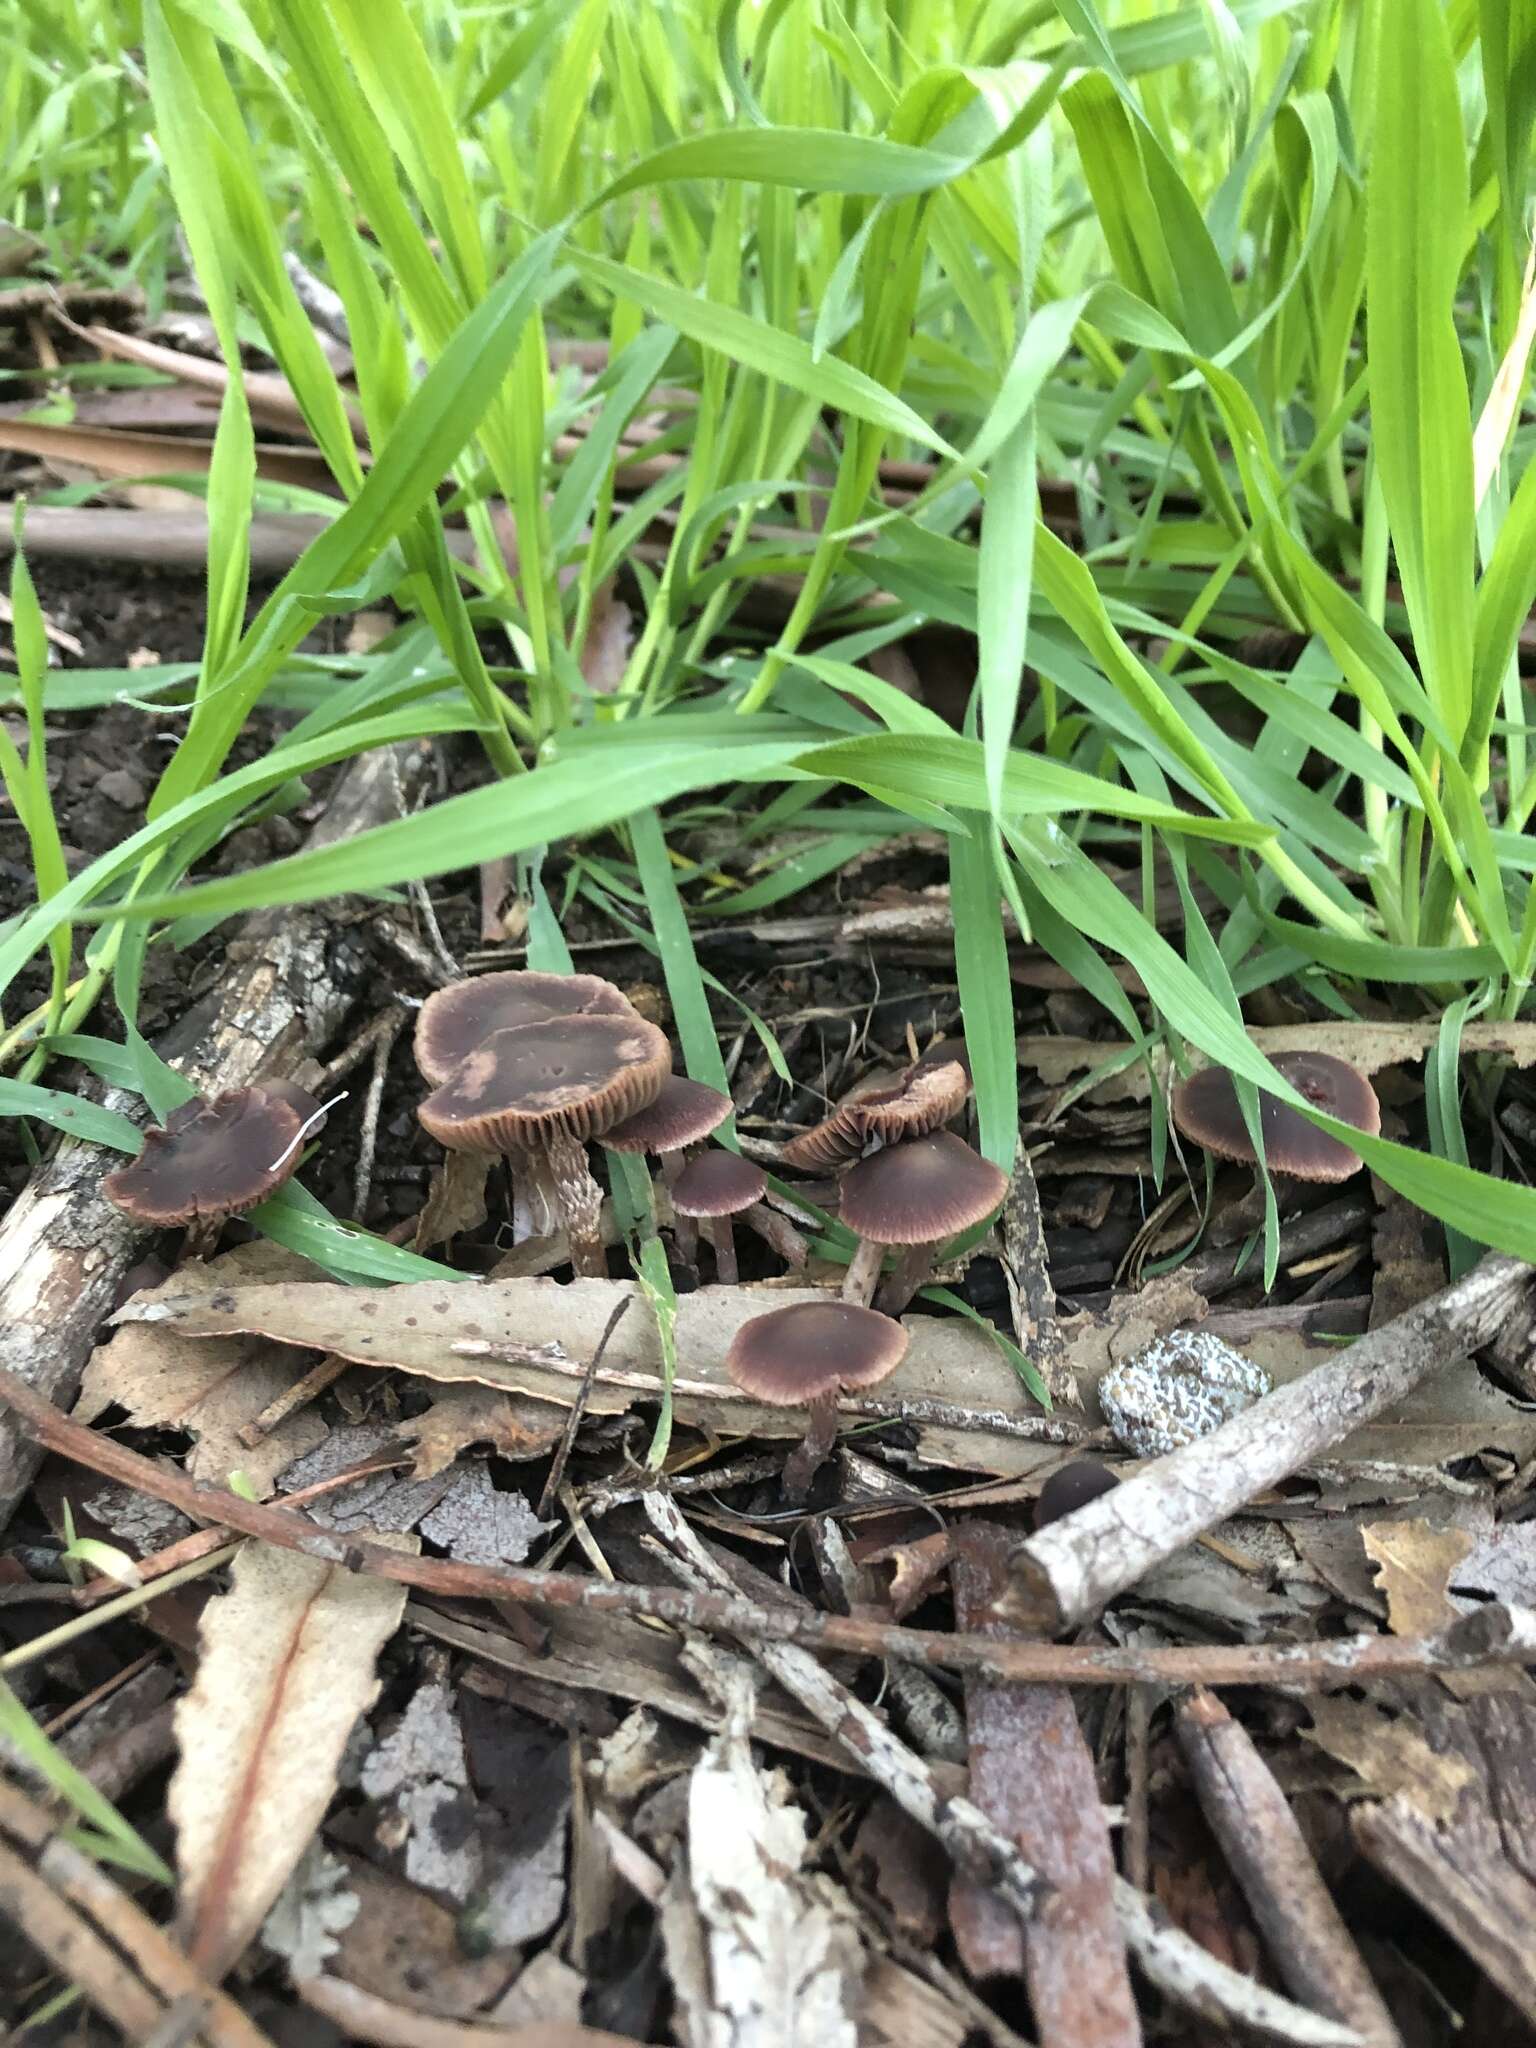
1067	1572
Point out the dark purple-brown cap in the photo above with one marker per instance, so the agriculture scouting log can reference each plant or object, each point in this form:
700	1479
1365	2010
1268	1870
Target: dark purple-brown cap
1071	1488
718	1183
215	1158
683	1113
916	1102
802	1353
458	1018
1206	1109
920	1192
574	1075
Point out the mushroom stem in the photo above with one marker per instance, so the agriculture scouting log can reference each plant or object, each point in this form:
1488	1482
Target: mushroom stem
203	1234
863	1272
580	1202
813	1451
914	1267
777	1231
722	1238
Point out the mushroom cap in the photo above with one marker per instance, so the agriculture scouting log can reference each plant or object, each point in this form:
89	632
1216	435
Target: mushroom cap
794	1355
718	1183
1072	1487
574	1075
916	1102
214	1158
684	1112
921	1192
456	1019
1205	1108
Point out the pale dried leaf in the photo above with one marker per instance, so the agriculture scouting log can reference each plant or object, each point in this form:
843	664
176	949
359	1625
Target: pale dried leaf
478	1524
419	1770
286	1666
776	1949
389	1501
167	1379
1414	1565
1368	1045
1388	1754
514	1426
605	650
311	1910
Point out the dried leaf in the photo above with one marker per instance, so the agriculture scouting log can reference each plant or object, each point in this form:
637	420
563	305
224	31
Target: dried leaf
419	1771
605	650
1414	1565
514	1426
404	1946
1368	1045
455	1201
477	1523
312	1909
1388	1754
170	1380
286	1666
380	1500
762	1955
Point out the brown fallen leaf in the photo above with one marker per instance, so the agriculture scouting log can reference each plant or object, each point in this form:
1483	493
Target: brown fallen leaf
405	1947
455	1201
1414	1564
1388	1754
169	1380
108	452
286	1666
515	1427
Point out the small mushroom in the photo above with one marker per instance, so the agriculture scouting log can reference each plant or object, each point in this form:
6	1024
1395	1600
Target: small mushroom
884	1111
215	1159
457	1019
683	1114
1206	1109
916	1195
715	1187
804	1356
540	1091
1071	1487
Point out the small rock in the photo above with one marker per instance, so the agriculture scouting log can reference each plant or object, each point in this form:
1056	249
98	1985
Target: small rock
1178	1389
122	787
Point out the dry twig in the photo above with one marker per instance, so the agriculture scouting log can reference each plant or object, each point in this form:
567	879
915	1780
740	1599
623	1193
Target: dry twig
1493	1635
1070	1570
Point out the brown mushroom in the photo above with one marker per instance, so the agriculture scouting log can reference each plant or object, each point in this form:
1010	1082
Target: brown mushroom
916	1195
1206	1109
215	1159
540	1091
683	1114
457	1019
882	1110
804	1356
1071	1487
713	1188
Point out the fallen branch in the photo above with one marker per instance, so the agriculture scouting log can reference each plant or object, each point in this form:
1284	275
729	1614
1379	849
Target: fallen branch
1250	1817
64	1249
1174	1961
1070	1570
1491	1635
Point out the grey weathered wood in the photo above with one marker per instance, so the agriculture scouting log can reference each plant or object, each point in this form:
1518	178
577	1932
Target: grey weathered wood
64	1249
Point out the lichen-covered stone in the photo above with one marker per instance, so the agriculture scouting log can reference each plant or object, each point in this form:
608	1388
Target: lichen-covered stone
1178	1389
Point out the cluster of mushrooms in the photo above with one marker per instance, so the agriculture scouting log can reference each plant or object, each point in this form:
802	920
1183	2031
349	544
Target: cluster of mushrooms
534	1067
